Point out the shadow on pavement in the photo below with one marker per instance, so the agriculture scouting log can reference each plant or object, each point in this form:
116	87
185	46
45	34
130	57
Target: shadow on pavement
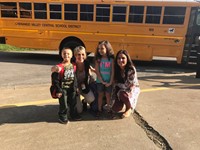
29	58
163	66
28	114
180	81
42	58
33	114
51	58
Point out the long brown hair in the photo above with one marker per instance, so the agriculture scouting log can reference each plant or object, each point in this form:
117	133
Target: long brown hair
109	50
129	66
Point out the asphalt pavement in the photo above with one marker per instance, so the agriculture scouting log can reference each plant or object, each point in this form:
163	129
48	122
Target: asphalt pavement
166	116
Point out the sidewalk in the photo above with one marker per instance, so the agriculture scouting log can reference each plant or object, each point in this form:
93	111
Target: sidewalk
35	126
164	116
167	112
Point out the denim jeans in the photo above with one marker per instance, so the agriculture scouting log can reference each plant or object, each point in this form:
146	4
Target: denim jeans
67	103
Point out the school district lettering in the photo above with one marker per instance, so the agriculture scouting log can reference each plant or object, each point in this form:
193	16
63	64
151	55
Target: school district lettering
45	25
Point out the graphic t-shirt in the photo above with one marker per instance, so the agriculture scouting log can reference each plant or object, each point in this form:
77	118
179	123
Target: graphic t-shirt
68	76
105	69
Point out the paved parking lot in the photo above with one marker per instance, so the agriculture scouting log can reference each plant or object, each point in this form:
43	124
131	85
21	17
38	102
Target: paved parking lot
166	117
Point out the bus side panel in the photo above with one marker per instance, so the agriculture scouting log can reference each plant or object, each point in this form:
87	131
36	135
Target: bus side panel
46	44
140	52
2	38
168	51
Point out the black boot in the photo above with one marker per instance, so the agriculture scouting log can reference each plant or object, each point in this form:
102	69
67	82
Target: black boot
84	105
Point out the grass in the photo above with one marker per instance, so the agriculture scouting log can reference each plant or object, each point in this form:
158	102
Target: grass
6	47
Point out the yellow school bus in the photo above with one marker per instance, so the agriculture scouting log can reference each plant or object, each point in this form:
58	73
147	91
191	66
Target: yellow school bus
146	28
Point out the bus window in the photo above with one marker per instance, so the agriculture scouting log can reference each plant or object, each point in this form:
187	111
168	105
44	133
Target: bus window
102	13
8	9
55	11
153	14
174	15
86	12
136	14
40	10
119	14
71	11
151	28
25	10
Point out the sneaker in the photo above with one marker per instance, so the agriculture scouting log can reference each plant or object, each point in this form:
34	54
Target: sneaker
63	121
84	105
76	117
107	107
98	113
114	116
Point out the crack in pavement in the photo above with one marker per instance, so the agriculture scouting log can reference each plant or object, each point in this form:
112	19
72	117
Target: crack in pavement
152	134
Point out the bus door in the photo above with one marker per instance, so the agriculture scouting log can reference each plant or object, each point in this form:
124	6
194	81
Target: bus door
193	34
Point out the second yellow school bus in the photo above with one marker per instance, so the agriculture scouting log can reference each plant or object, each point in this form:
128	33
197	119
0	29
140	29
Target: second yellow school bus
146	28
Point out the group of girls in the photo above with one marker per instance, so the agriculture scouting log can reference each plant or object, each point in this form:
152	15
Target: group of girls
116	81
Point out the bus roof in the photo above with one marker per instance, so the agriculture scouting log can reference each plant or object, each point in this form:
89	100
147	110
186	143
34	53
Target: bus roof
108	1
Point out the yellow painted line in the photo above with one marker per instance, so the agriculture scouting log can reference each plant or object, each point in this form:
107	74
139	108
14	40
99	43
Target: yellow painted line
49	101
31	103
168	88
154	89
